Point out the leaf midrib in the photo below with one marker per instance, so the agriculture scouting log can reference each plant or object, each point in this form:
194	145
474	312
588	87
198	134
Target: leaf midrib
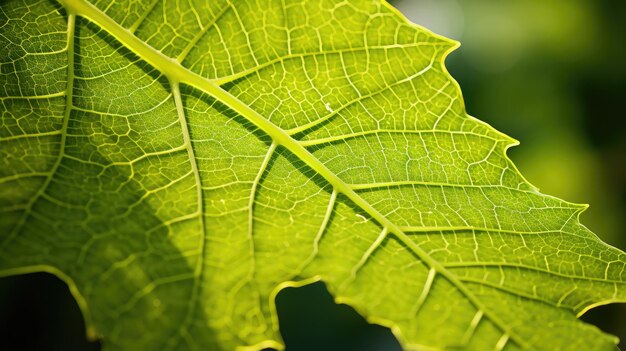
176	73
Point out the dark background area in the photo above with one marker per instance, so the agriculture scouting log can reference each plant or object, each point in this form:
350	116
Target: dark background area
550	73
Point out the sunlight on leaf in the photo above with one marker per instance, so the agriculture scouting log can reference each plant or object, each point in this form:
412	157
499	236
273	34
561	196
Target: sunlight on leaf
179	163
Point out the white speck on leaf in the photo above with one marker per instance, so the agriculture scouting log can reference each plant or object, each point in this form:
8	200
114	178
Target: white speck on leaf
328	108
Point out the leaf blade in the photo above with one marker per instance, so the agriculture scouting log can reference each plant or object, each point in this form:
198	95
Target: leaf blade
306	161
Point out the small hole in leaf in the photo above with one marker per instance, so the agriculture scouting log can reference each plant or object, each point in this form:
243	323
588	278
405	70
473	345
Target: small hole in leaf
310	320
38	312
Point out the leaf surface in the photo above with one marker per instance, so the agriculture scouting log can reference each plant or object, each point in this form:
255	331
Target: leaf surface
179	163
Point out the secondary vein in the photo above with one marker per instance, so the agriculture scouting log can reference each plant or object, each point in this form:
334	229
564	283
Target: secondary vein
71	30
199	270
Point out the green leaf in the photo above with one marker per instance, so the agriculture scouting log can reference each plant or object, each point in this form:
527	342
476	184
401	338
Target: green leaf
179	163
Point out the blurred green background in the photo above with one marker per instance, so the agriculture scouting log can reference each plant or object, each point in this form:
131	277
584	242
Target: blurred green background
550	73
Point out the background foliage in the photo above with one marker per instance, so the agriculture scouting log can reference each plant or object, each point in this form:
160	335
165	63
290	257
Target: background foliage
550	73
